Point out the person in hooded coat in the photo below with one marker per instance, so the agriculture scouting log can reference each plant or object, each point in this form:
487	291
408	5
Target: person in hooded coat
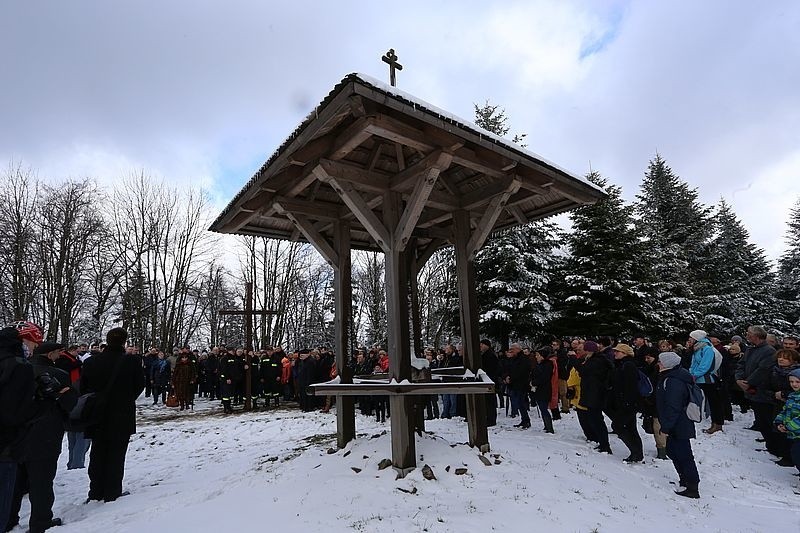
672	397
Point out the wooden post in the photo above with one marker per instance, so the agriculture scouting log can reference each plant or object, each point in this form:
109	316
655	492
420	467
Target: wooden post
343	297
403	444
465	268
416	325
248	343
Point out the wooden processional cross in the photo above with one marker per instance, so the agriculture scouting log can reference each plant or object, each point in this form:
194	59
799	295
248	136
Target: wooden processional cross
248	314
391	58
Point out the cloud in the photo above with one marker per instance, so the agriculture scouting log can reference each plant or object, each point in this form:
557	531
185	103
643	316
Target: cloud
203	92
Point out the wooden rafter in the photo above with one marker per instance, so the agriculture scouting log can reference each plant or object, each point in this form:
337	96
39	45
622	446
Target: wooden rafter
311	234
487	221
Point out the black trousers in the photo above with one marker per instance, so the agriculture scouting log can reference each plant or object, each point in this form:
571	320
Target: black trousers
491	409
598	427
107	468
586	426
712	392
35	478
764	415
628	433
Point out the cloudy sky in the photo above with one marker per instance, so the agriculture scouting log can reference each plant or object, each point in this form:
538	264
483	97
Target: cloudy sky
201	92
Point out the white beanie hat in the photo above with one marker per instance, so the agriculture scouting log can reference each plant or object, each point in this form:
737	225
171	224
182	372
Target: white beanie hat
698	334
669	359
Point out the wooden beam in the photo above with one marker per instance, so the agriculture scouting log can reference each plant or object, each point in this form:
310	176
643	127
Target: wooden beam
405	179
372	181
401	160
351	138
579	198
357	106
343	302
319	242
374	155
468	306
399	132
426	253
480	196
517	213
419	197
357	206
315	210
493	210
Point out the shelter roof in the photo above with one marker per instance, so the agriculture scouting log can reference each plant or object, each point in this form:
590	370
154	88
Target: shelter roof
371	139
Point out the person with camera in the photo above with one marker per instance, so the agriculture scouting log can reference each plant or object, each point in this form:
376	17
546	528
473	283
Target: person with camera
35	474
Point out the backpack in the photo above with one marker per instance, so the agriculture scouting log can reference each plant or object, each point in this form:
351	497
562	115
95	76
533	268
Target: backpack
644	385
695	409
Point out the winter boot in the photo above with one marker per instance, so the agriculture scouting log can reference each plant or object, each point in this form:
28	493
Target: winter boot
713	429
633	459
689	492
605	449
548	426
555	414
662	453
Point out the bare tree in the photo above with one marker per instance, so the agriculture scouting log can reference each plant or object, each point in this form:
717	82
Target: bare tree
18	206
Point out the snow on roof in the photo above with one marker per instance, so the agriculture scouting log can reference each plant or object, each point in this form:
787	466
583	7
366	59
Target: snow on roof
418	103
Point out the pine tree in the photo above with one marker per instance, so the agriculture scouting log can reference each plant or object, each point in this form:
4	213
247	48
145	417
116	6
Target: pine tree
512	273
789	270
740	284
599	290
675	230
493	119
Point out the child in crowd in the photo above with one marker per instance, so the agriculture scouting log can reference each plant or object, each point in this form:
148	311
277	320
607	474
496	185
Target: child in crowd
788	421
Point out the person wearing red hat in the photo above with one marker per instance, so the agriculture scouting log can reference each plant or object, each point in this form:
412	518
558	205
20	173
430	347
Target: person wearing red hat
17	404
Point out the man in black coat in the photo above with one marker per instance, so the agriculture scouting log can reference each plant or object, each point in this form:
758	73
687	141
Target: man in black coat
36	473
595	375
491	366
111	434
17	405
625	401
519	383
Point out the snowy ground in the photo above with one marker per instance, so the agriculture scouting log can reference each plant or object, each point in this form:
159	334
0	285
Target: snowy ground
202	471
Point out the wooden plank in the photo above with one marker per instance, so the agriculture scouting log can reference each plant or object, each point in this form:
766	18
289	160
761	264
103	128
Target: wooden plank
468	304
481	196
419	197
410	389
319	242
399	132
486	224
374	155
343	303
357	108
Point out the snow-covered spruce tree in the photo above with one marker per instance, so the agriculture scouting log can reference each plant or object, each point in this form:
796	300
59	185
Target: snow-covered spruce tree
675	229
740	288
789	270
512	270
600	290
512	273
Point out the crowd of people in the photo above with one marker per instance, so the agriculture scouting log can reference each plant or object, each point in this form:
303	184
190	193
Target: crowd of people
42	384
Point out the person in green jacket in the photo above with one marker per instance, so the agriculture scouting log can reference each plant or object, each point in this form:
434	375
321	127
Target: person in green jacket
788	421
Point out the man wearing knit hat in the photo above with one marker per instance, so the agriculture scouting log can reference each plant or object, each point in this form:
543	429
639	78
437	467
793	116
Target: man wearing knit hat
672	397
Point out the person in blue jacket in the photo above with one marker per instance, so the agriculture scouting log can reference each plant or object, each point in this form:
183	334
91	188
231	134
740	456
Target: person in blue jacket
705	372
672	397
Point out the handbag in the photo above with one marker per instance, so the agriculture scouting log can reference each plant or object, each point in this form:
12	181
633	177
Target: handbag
90	407
172	400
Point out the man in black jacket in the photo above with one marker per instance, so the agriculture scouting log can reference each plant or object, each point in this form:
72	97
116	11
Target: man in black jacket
36	473
17	404
491	366
519	383
595	375
111	434
625	401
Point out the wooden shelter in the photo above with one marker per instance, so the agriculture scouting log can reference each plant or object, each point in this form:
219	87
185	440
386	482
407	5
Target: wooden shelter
375	168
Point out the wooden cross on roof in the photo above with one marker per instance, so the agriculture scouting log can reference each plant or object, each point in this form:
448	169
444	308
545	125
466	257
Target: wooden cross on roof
391	58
